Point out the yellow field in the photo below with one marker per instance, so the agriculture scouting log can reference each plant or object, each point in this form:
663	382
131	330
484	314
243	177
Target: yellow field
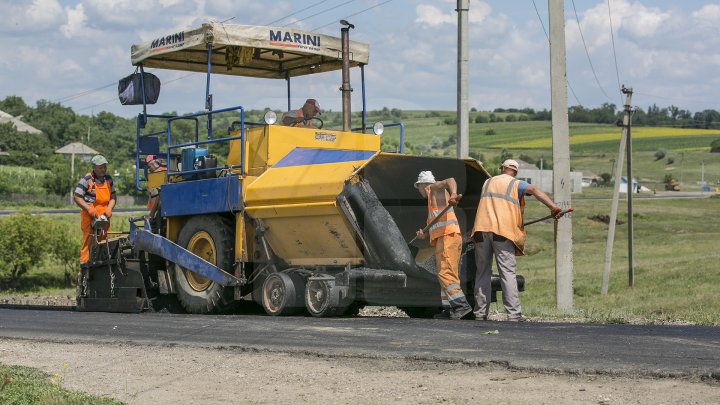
637	133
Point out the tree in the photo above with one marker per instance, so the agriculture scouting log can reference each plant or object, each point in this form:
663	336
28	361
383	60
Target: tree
660	154
23	244
59	180
14	106
64	248
715	146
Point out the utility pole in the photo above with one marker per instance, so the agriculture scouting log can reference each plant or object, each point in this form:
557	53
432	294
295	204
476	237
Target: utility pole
561	156
628	114
616	193
463	117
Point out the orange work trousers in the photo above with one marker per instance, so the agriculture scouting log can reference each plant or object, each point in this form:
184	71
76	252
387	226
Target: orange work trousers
102	199
447	259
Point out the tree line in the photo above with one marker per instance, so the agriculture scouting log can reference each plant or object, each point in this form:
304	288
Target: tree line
114	136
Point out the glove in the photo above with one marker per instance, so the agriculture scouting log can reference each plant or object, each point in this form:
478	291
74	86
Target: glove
92	212
556	212
108	212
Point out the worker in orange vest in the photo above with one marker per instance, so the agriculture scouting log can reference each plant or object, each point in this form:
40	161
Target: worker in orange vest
499	230
95	195
302	117
445	235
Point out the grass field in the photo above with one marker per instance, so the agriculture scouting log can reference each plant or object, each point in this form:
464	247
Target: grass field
25	385
593	147
676	263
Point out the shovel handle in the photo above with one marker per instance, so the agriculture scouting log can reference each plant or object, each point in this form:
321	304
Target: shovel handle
561	213
437	218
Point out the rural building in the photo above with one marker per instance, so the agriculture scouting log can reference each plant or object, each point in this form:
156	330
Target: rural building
16	122
543	179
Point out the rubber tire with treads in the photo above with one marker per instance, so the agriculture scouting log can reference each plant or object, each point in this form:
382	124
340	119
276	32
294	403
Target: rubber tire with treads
217	234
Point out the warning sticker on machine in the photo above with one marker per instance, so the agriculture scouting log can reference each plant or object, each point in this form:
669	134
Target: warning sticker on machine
325	137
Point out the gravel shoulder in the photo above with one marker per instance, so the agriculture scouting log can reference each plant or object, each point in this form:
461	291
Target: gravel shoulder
139	374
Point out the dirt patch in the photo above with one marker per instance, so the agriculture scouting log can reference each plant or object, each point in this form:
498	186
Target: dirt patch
605	219
170	375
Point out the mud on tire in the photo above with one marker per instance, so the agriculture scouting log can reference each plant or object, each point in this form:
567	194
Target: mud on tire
210	237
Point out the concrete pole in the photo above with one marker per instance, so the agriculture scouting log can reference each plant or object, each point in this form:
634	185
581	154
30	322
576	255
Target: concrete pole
616	197
463	117
346	89
561	156
631	237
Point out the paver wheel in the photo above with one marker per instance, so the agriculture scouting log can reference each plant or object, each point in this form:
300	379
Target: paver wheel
282	294
211	238
318	299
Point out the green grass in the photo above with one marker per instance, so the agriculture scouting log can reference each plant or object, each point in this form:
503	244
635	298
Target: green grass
675	259
24	385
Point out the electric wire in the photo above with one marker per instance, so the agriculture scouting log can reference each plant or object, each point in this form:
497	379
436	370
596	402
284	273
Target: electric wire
297	12
352	15
318	13
115	98
588	52
612	38
81	94
548	39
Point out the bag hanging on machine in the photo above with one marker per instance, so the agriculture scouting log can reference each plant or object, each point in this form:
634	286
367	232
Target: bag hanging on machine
129	89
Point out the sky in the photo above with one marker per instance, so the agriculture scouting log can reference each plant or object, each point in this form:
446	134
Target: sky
75	51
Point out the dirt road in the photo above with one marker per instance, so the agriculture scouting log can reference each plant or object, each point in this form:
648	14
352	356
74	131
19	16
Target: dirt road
139	374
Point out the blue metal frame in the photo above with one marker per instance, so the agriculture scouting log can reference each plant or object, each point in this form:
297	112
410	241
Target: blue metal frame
364	111
197	142
145	240
198	197
402	133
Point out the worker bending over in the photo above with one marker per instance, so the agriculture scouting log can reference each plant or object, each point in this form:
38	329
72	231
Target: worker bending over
499	230
446	237
302	117
95	194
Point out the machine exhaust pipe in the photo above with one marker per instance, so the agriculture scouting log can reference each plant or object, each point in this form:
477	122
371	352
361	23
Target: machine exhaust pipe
346	89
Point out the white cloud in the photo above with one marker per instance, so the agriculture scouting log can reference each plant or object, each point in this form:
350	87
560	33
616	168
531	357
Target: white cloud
30	16
433	16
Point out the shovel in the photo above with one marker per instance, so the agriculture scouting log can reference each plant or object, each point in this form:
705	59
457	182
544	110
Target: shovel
561	213
414	249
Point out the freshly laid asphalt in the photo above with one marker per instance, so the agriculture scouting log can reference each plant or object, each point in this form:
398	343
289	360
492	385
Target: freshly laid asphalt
624	350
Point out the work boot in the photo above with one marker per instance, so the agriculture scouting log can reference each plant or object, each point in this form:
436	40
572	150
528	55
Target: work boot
460	313
445	314
518	318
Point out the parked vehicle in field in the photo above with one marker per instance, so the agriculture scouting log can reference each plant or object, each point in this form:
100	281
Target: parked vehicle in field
295	219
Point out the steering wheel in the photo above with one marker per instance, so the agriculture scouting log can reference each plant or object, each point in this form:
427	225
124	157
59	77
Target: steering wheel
319	119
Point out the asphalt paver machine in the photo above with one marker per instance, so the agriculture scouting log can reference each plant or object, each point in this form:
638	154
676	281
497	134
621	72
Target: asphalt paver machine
296	219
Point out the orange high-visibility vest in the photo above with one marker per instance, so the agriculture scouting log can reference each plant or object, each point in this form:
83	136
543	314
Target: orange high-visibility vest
500	210
446	225
297	114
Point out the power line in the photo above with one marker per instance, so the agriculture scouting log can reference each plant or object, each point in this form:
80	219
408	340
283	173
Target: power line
82	93
297	12
321	12
548	39
353	15
115	98
587	52
612	37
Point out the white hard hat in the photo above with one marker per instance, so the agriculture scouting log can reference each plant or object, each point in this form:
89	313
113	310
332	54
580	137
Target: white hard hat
513	164
425	177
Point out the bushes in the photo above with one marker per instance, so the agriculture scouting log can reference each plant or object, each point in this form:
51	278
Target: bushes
27	240
715	146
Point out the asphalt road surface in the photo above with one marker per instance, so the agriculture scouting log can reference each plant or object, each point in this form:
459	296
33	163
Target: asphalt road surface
623	350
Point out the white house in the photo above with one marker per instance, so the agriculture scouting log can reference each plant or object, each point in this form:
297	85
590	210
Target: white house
543	179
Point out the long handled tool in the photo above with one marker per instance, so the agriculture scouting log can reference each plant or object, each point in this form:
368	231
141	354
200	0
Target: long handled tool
561	213
414	249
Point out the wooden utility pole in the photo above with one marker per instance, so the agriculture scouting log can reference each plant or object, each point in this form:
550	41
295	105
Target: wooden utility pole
463	117
616	193
561	156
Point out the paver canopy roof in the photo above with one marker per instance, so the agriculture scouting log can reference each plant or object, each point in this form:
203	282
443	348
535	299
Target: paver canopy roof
246	50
